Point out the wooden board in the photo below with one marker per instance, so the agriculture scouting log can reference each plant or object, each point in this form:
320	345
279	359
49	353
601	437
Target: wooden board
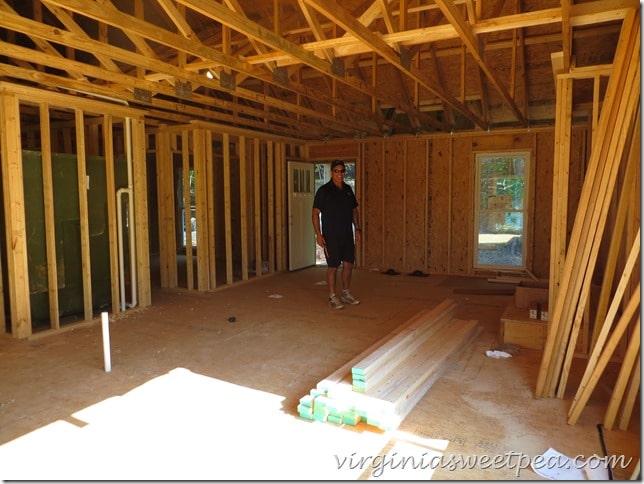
412	358
378	364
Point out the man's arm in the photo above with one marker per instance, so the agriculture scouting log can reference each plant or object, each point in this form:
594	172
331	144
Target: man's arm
316	226
356	223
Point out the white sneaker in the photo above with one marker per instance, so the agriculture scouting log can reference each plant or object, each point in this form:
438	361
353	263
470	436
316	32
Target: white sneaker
348	298
335	303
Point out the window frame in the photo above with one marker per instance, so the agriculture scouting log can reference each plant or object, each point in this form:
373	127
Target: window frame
525	211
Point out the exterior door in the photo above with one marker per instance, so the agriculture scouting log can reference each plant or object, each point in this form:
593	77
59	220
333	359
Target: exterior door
301	236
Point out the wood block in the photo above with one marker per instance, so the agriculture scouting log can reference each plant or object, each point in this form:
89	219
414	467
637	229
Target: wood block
519	329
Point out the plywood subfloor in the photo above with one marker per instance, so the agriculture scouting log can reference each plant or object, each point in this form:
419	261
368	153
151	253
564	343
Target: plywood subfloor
192	395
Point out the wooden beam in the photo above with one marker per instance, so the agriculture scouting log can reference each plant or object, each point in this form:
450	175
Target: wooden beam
85	259
600	216
632	394
166	211
227	208
110	202
201	206
210	186
471	41
604	354
187	215
139	27
607	324
617	235
560	180
14	215
580	15
375	43
48	210
257	197
139	213
270	204
625	371
253	30
596	186
243	210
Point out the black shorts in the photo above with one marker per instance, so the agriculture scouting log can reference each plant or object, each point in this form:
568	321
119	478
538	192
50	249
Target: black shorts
340	250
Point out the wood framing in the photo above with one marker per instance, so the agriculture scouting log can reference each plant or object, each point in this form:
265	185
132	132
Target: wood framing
78	112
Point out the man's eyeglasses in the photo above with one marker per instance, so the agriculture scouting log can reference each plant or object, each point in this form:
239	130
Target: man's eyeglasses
339	171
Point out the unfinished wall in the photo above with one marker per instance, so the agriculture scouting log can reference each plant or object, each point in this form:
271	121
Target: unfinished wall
67	254
239	205
416	196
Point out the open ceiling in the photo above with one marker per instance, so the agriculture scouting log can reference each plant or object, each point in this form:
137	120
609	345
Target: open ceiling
316	69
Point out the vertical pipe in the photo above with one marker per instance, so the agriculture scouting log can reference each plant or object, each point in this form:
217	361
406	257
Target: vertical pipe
106	341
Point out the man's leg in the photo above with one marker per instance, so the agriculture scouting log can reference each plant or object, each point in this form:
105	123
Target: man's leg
330	279
346	296
347	269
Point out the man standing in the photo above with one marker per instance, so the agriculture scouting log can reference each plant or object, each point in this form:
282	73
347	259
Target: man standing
337	203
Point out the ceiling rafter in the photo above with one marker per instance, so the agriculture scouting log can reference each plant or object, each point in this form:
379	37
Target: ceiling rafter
388	17
125	83
594	12
292	70
316	27
139	27
243	25
519	45
472	42
128	57
40	43
71	25
258	46
349	23
177	19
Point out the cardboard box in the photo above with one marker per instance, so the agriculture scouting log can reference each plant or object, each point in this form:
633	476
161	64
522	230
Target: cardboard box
519	329
531	294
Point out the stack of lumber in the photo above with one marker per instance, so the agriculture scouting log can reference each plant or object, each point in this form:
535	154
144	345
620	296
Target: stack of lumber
609	192
382	384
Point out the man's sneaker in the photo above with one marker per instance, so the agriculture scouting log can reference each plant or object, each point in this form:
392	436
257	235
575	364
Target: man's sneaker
335	303
347	298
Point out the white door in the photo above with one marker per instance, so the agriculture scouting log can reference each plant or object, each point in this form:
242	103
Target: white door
301	236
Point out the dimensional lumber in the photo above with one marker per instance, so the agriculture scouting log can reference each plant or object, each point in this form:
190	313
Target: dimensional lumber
338	376
585	389
415	378
373	368
437	342
631	395
632	354
616	119
617	235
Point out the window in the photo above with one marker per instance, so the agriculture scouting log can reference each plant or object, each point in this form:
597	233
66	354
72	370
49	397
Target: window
501	210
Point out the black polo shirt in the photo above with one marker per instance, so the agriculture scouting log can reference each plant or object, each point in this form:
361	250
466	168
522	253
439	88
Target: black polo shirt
336	205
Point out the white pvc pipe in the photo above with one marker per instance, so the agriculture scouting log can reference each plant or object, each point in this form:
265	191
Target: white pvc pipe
106	341
119	215
131	226
130	210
